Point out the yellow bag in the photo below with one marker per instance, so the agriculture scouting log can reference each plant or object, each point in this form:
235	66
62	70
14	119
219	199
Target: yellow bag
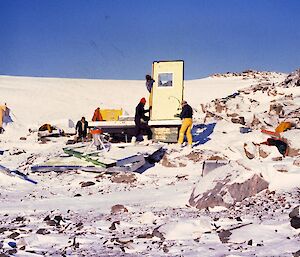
283	126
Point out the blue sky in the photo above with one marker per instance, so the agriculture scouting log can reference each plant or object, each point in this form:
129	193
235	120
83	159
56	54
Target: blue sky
119	39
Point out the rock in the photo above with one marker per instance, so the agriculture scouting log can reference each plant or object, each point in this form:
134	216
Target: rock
295	222
14	235
165	249
77	195
292	80
263	153
203	155
239	219
118	208
223	191
295	217
2	230
127	178
219	107
232	114
250	187
51	222
146	235
238	120
250	242
43	231
158	234
296	254
58	219
87	184
295	213
224	236
23	138
275	109
113	225
19	219
249	150
79	225
12	251
47	218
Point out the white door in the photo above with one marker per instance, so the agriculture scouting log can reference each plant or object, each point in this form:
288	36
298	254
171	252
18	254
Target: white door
167	91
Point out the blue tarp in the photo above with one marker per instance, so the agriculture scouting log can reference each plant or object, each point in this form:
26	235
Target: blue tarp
201	133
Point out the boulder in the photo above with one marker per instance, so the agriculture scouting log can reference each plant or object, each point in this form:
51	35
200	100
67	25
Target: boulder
43	231
226	185
275	108
250	150
118	208
126	178
295	222
87	184
219	107
238	120
295	213
263	151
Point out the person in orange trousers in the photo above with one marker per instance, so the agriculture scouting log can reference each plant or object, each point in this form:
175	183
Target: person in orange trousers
187	122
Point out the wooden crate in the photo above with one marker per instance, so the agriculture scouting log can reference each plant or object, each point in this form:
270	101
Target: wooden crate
165	134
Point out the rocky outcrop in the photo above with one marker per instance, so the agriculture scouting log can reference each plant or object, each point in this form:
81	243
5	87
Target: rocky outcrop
179	158
231	183
295	217
292	80
249	74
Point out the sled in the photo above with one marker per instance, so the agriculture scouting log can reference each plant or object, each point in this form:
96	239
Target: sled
125	158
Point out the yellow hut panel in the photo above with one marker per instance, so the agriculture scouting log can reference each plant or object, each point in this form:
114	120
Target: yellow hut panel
167	91
111	114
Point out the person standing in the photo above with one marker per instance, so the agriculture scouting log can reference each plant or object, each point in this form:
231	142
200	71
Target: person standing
141	120
97	115
187	122
81	129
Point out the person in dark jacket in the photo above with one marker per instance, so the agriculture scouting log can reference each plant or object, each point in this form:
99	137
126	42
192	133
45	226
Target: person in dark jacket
141	120
187	122
149	83
149	86
81	128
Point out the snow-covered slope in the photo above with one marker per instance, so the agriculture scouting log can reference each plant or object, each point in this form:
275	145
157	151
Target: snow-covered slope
149	214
